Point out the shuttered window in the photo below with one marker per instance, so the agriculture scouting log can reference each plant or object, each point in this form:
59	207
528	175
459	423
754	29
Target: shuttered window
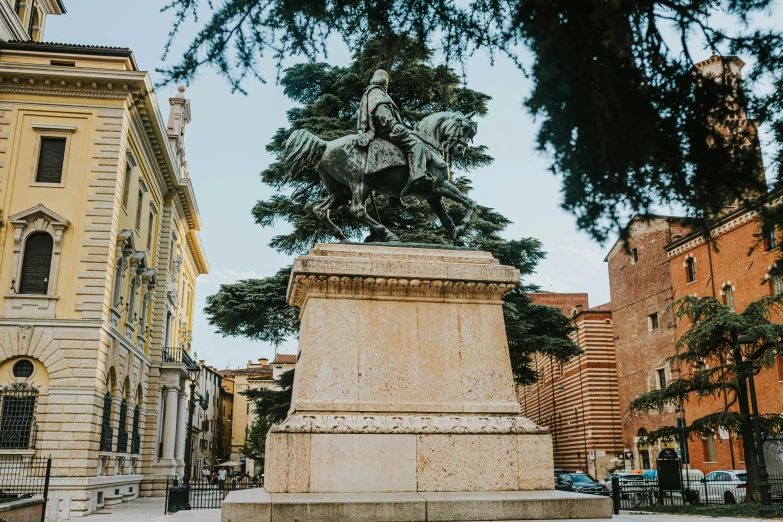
138	210
126	183
50	161
150	231
36	264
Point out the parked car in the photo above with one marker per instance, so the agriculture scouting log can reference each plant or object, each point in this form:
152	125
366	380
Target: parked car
584	483
626	478
726	486
562	480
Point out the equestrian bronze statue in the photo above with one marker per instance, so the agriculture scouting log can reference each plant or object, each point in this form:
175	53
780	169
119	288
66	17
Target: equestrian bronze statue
387	158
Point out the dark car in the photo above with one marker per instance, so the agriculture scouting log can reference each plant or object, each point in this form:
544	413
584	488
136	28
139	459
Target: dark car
584	483
562	480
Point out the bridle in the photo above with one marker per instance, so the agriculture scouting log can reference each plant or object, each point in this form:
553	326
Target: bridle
446	152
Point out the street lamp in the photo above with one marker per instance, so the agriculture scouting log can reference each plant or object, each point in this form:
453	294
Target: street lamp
193	372
766	510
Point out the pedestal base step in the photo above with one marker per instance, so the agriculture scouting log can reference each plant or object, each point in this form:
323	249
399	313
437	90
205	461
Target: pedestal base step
257	505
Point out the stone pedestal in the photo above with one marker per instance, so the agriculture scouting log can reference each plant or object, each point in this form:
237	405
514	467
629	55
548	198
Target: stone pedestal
403	386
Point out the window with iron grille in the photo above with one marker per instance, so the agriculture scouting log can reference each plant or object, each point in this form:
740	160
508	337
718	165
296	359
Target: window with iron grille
51	159
122	433
107	434
36	264
17	416
136	444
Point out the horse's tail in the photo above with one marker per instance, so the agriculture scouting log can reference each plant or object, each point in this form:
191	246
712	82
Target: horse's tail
301	148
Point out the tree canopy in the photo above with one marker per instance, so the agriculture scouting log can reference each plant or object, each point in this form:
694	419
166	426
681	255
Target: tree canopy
329	96
269	407
713	366
613	83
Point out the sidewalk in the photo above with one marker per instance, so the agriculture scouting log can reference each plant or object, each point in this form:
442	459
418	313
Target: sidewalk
148	509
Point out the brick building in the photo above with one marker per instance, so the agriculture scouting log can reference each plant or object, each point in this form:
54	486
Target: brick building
578	400
737	272
641	291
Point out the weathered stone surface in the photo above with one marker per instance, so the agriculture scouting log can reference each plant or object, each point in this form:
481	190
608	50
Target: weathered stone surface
466	463
534	454
403	383
515	505
257	505
362	463
377	337
287	463
247	505
343	507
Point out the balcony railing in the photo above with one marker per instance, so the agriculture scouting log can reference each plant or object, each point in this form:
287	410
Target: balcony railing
176	354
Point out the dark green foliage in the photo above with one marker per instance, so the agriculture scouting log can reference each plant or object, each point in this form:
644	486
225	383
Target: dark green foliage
613	84
712	340
257	309
254	308
270	407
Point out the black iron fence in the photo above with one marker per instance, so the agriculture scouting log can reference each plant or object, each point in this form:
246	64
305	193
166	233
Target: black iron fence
633	493
208	493
24	477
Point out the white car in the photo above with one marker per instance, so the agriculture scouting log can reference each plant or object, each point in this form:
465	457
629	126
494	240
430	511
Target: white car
726	486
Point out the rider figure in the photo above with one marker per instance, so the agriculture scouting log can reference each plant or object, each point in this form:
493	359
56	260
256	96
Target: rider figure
379	116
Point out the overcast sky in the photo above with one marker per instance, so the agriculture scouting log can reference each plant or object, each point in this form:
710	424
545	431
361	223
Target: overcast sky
226	141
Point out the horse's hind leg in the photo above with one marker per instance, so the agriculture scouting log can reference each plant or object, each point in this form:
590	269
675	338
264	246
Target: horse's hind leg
333	202
360	193
338	196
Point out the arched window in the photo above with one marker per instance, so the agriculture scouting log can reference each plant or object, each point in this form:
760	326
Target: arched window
728	296
36	264
690	269
17	417
136	443
107	434
122	434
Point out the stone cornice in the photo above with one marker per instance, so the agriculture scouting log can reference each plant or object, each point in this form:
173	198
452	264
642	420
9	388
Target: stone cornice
718	229
135	87
382	271
379	424
306	286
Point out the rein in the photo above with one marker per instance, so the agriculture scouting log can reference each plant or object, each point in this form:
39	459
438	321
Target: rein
445	152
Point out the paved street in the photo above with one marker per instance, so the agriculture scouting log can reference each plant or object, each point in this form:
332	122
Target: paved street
151	510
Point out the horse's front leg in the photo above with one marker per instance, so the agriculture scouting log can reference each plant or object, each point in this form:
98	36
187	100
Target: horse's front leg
448	190
436	204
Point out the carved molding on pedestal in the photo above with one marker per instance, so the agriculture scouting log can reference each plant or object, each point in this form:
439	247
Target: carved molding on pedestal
439	424
339	286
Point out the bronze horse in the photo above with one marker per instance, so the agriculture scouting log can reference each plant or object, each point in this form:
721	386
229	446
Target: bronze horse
343	171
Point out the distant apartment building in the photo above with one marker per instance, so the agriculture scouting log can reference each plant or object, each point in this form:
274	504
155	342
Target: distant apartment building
208	422
256	376
577	401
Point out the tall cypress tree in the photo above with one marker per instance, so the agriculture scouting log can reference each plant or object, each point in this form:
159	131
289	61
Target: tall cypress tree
329	97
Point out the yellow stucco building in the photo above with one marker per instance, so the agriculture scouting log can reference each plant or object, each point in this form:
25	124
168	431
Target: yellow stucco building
99	255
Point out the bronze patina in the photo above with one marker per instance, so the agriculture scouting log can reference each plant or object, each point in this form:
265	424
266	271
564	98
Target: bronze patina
387	158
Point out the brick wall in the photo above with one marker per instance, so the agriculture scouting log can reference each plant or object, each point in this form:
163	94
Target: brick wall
729	264
638	289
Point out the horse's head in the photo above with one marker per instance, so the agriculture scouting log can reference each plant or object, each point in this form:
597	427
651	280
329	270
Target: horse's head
460	133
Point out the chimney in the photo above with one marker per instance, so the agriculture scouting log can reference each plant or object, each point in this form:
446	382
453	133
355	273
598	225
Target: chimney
249	364
263	361
201	362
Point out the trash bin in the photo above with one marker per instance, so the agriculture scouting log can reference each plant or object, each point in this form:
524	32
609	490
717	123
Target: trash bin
178	498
